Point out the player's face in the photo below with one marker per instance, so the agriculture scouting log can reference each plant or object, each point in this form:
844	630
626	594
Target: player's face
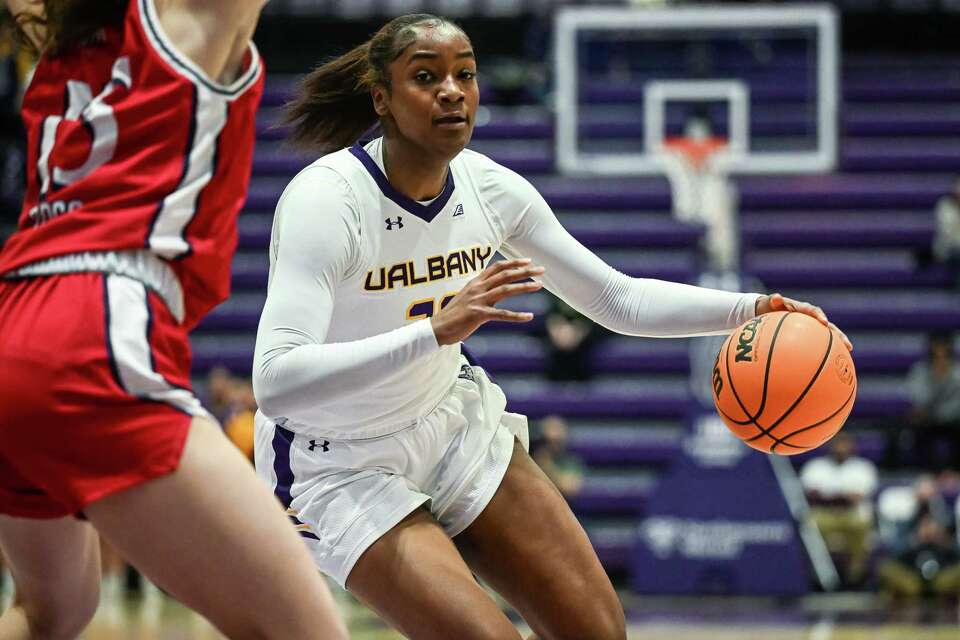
433	95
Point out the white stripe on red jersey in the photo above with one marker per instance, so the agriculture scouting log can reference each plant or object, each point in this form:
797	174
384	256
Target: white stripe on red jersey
125	140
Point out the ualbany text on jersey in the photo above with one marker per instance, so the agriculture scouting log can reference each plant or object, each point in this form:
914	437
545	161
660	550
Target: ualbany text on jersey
410	273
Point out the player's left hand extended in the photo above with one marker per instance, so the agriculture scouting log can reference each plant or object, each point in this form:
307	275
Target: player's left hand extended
777	302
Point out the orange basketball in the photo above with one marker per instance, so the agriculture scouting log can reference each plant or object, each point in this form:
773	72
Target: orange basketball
784	383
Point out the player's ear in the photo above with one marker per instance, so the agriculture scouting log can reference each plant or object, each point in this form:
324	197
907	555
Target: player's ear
380	97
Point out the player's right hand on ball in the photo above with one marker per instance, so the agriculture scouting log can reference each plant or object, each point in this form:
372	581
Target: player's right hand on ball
474	305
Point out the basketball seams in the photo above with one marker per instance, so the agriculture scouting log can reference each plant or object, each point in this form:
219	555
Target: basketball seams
733	388
853	393
766	372
763	398
813	381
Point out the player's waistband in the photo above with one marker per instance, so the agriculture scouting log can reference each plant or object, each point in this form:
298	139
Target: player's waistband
140	265
382	428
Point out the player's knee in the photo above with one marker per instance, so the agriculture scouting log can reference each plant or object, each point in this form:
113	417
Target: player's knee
485	628
338	631
611	625
602	620
612	621
60	618
313	628
495	632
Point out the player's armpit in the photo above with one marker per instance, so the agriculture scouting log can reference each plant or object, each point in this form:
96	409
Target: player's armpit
214	34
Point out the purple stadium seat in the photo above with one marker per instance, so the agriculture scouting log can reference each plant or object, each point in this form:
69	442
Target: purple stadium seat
909	155
637	442
893	228
842	191
842	268
614	493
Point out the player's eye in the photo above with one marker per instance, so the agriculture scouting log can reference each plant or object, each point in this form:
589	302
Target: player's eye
468	74
423	76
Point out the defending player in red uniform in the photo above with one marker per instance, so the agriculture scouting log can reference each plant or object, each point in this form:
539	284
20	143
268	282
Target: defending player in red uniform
140	119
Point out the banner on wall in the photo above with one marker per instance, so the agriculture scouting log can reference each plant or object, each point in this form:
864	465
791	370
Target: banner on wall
718	523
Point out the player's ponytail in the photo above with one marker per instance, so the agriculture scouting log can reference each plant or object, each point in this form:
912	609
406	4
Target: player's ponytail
333	107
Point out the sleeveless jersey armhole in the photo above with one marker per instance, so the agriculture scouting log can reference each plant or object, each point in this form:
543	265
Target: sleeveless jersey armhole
149	23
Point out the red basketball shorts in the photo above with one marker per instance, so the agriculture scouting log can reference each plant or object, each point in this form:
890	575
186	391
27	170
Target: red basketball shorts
94	391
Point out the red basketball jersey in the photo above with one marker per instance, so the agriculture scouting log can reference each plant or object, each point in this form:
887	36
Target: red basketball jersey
133	146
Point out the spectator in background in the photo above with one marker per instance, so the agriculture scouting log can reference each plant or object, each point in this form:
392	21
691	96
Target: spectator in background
839	487
219	392
924	558
232	402
239	424
934	386
946	241
564	469
15	65
570	342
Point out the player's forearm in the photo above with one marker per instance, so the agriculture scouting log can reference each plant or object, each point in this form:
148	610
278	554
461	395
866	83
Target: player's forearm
660	309
631	306
296	382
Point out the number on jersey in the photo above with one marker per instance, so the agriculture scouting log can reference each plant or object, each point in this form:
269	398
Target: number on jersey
428	307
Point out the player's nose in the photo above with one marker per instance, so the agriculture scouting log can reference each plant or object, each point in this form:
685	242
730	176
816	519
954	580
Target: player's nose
450	91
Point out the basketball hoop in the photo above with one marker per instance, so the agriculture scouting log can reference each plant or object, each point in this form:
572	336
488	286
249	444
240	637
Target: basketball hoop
697	169
696	152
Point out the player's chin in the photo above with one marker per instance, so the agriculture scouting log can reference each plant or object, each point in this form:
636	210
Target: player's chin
452	140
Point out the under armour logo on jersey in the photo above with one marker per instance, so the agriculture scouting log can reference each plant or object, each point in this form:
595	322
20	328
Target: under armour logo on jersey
458	211
466	373
398	223
324	446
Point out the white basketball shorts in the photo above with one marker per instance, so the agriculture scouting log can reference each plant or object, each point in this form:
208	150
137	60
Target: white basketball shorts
342	495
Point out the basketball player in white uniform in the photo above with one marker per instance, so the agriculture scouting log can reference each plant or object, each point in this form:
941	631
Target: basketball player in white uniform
394	455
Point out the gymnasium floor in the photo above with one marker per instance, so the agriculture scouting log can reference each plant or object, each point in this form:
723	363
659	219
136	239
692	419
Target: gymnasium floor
815	618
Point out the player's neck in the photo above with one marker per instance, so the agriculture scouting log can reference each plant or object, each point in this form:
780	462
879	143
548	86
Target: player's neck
418	175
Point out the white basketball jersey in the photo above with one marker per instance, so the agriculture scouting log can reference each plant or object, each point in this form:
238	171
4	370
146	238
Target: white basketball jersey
413	258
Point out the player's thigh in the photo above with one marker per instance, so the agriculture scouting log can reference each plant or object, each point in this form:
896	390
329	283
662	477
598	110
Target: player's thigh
214	536
416	580
528	545
55	565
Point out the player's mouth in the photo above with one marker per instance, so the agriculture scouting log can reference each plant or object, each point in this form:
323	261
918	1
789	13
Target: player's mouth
451	121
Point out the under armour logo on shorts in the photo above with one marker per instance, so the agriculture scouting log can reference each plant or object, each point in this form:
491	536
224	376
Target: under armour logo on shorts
398	223
324	446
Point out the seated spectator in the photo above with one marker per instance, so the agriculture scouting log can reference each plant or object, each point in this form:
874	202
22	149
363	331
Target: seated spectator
570	342
239	423
925	559
219	389
946	242
232	402
550	452
839	487
899	508
934	386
